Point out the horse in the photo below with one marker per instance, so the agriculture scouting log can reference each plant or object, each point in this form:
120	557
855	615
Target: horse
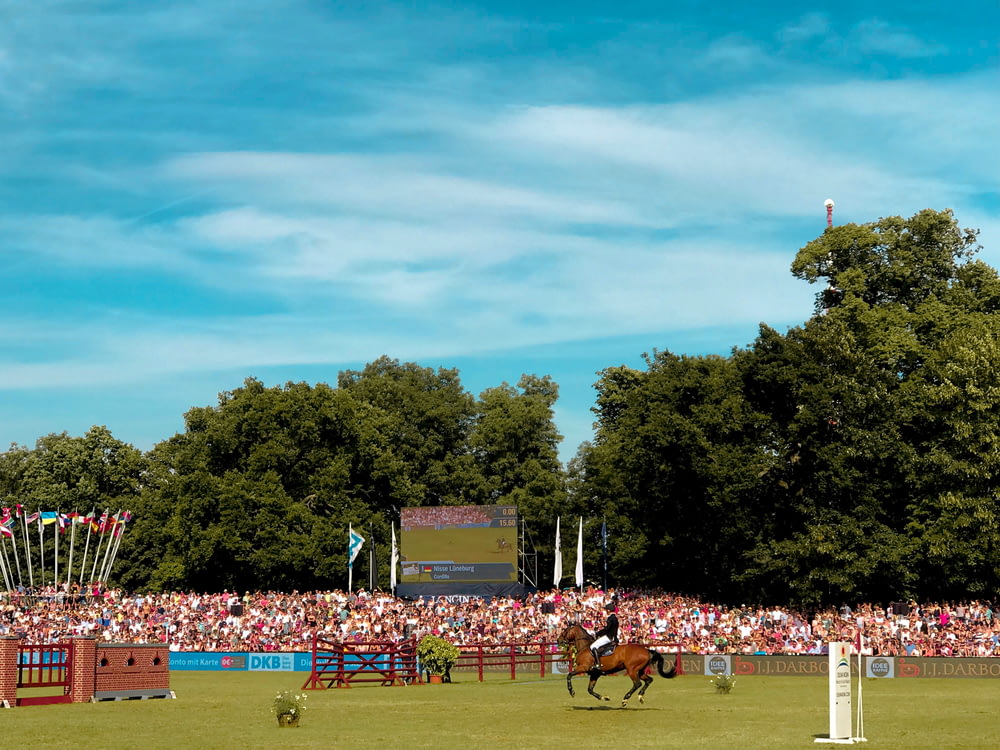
630	657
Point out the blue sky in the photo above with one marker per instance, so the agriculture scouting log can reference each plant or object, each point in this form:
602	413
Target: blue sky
192	193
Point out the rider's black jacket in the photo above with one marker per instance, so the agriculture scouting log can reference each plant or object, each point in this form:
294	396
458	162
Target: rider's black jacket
610	628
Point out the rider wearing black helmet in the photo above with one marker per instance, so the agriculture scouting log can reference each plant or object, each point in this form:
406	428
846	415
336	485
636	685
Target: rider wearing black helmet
607	634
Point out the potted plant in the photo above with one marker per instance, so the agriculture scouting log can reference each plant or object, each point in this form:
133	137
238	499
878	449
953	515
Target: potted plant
437	657
288	706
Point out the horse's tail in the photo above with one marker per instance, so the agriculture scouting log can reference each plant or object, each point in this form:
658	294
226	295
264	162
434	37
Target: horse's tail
657	658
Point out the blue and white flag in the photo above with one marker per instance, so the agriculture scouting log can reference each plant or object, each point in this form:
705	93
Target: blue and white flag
355	540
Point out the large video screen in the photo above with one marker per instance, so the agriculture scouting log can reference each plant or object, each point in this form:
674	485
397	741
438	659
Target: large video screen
468	544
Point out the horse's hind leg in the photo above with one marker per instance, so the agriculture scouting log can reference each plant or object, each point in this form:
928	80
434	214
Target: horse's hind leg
646	682
636	682
590	689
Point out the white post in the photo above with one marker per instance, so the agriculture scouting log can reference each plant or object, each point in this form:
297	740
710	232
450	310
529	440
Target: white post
840	694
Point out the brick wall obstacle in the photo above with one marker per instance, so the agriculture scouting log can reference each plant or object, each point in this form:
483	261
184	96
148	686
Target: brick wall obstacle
85	670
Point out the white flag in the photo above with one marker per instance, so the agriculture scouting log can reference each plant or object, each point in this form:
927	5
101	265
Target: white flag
393	562
557	572
579	558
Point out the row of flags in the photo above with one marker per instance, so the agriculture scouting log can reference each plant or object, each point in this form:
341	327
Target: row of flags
105	528
557	573
102	524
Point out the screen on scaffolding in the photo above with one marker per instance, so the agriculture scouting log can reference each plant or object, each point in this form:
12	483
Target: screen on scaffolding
467	544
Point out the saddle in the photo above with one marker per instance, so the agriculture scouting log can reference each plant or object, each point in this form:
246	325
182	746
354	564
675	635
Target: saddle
607	648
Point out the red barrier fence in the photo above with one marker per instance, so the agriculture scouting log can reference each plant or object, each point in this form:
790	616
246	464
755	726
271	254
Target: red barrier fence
45	666
537	658
338	664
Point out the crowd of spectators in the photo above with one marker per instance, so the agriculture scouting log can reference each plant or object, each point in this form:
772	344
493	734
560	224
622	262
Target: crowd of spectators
274	621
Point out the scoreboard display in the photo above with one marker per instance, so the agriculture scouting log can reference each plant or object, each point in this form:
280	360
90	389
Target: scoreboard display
467	544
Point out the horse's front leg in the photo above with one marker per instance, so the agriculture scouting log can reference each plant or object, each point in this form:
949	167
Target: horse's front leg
569	684
590	689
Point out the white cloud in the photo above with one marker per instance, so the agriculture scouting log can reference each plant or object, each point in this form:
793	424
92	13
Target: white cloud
806	28
733	52
874	36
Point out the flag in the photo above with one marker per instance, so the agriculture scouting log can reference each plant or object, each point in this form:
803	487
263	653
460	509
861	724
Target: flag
557	571
393	562
6	526
579	558
353	545
49	516
32	517
428	569
604	549
64	521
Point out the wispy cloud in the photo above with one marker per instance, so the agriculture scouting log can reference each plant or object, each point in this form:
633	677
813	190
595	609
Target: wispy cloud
219	187
875	36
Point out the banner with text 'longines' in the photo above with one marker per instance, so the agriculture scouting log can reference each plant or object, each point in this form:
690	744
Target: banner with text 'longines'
467	549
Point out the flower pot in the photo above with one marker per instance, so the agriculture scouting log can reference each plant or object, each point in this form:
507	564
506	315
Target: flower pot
288	720
437	679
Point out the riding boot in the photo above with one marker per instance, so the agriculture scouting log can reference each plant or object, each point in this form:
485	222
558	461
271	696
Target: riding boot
597	661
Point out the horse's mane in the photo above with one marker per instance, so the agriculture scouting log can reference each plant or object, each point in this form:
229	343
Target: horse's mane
586	633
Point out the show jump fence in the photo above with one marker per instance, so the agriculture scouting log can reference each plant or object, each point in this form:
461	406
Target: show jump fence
80	671
340	663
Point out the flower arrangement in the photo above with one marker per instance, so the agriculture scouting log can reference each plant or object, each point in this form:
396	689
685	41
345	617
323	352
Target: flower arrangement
723	683
288	706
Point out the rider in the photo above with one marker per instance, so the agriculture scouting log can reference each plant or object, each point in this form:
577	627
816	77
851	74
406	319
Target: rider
607	634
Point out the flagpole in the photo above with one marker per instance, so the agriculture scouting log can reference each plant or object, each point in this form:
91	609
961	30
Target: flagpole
27	550
371	558
119	531
393	561
86	547
8	570
72	541
103	573
97	552
55	572
41	549
7	581
350	559
113	520
17	559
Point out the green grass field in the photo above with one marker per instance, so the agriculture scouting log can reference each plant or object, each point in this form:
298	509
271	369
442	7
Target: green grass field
232	712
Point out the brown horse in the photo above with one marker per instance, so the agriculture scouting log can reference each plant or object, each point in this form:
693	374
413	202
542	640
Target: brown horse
630	657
